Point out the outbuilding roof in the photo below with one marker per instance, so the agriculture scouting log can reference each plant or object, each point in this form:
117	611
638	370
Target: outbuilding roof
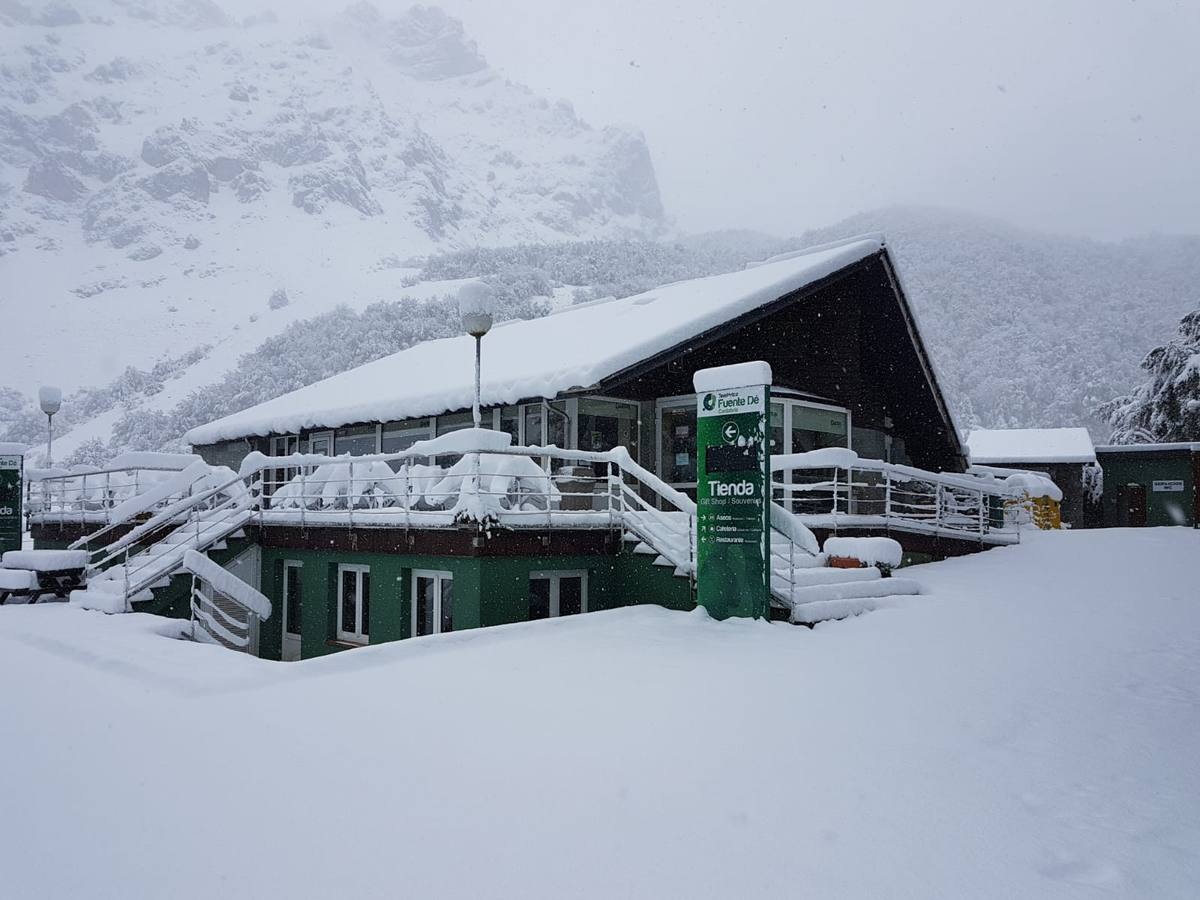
999	446
573	349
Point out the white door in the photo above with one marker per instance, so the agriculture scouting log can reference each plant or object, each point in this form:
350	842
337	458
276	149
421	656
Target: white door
292	600
432	602
354	604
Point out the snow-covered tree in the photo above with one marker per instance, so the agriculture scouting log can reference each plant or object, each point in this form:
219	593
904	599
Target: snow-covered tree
1166	407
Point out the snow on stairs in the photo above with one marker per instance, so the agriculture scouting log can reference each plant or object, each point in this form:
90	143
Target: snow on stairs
114	588
807	587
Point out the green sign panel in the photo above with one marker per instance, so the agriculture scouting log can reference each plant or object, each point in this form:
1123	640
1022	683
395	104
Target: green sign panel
733	469
11	525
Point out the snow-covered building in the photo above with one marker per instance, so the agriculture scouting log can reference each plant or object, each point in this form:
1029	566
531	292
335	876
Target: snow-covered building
850	370
367	508
1066	455
1151	484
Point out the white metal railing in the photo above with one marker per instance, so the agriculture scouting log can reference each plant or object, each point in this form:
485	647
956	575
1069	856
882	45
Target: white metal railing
90	498
541	487
530	486
842	490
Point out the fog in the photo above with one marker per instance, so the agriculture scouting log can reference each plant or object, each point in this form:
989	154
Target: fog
1074	115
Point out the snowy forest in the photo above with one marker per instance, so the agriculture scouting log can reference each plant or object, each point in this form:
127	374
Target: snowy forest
1026	329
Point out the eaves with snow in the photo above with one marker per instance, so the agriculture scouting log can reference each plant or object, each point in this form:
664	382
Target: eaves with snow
571	350
998	446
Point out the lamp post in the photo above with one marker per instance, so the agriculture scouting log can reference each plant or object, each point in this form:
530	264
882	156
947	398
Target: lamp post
476	303
50	400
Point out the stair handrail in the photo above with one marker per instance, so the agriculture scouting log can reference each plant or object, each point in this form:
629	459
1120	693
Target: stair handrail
164	517
141	581
82	542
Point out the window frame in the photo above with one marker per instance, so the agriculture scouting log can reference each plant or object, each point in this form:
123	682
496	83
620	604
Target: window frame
358	636
555	576
438	576
295	566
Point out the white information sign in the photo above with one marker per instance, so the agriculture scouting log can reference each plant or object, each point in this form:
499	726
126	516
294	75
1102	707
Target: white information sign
1168	487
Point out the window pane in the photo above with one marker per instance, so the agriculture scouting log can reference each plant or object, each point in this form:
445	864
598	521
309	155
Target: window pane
604	424
570	595
510	423
447	605
424	605
399	436
348	607
365	627
454	422
533	424
356	441
292	598
539	598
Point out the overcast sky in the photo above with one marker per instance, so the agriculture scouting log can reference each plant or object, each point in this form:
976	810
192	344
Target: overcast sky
1080	116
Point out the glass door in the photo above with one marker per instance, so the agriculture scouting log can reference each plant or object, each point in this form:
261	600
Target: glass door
677	443
354	604
432	603
290	651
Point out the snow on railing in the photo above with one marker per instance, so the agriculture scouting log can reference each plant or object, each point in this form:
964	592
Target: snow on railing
229	611
834	487
87	495
486	481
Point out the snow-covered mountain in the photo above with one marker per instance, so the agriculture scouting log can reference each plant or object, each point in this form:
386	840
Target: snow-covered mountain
165	170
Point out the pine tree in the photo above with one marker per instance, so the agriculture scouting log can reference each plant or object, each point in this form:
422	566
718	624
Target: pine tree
1166	407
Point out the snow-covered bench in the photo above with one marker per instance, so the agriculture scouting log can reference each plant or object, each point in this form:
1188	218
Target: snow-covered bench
32	573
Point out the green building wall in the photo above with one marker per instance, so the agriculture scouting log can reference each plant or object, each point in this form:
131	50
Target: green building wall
487	591
1162	507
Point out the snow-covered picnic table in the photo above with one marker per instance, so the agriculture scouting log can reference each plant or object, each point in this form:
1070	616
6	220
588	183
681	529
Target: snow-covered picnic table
33	573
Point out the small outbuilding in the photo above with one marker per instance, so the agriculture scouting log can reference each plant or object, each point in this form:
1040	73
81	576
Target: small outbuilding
1066	455
1150	484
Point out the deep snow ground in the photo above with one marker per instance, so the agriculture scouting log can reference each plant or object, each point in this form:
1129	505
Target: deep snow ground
1030	728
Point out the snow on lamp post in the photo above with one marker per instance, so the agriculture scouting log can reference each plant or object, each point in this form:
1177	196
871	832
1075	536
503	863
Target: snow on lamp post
476	304
50	400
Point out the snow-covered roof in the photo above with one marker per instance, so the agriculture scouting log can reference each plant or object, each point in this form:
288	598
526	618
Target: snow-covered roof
569	350
1150	448
987	446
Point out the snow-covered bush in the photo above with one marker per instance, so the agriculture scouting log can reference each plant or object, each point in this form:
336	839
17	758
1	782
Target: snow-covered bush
279	299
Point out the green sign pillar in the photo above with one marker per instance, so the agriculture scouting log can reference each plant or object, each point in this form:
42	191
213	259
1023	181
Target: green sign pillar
733	490
11	486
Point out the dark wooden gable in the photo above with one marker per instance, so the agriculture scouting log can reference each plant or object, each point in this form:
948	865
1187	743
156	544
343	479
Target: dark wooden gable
849	338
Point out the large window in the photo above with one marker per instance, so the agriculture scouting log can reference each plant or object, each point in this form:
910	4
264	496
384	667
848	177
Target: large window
282	445
357	441
795	426
604	424
553	594
399	436
432	602
354	604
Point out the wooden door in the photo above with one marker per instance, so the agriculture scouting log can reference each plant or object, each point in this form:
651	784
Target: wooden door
1132	506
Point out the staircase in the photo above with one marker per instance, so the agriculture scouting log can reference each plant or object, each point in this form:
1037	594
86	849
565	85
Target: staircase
127	570
803	586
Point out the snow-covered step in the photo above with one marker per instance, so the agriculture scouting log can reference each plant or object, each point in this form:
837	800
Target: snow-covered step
825	610
883	587
645	549
828	575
